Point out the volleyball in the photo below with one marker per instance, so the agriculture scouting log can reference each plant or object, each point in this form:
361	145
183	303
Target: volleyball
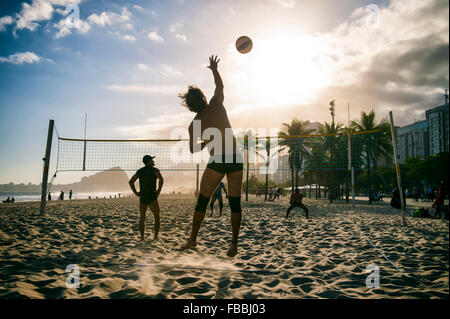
244	44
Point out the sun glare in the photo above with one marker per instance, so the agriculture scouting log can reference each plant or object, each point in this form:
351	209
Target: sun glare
283	69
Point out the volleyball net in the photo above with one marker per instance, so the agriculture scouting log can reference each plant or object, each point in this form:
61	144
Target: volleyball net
266	154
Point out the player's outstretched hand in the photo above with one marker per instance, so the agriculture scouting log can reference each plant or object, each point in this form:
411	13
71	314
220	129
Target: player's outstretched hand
213	61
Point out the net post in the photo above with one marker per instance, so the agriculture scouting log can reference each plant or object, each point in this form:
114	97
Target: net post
353	186
397	168
84	150
84	156
197	181
247	166
46	160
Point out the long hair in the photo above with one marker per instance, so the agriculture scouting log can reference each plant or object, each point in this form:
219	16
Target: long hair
194	99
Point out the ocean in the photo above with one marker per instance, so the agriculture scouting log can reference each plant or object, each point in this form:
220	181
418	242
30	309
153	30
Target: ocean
35	196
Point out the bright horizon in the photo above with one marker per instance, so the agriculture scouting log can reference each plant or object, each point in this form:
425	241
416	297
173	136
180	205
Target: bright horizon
126	61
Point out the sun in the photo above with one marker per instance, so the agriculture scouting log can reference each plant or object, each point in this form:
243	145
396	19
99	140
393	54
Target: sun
284	69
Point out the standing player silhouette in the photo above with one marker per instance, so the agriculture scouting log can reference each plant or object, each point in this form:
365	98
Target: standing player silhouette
218	196
148	194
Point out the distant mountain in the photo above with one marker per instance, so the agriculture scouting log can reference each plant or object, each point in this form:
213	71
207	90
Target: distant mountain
112	180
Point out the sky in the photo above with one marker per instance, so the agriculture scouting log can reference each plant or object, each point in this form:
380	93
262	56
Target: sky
123	64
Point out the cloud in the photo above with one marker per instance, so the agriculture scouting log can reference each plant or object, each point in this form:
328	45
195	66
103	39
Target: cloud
142	67
6	20
155	37
157	127
138	7
66	25
181	37
168	70
401	62
22	58
111	19
141	9
38	10
130	38
174	29
285	3
141	89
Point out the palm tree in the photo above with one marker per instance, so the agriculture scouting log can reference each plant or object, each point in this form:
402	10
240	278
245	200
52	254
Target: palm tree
383	140
332	144
297	147
253	146
268	146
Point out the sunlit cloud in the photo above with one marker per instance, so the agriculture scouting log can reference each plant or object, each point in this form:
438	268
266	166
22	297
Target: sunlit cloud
111	18
128	37
38	11
142	67
140	89
22	58
174	29
285	3
4	21
155	37
168	70
65	27
160	126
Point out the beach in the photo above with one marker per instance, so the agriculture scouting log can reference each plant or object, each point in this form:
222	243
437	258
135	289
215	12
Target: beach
325	256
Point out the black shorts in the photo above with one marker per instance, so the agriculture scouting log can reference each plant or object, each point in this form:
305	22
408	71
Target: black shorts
148	198
228	164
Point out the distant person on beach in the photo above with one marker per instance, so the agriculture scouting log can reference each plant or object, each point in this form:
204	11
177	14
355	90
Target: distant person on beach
416	194
438	204
61	196
49	197
12	200
148	193
278	192
270	194
7	200
218	196
395	200
225	160
296	201
70	194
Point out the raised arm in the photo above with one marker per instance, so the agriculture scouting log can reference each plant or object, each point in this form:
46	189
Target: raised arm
218	93
131	182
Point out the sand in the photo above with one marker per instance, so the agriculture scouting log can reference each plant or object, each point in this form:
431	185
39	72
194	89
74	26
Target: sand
323	257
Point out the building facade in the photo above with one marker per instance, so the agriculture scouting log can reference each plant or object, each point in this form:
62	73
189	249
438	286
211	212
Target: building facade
438	128
413	140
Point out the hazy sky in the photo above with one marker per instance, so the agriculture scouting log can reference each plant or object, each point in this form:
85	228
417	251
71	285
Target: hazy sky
125	62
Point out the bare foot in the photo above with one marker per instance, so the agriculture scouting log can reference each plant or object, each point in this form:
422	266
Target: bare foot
155	238
190	244
232	251
142	239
